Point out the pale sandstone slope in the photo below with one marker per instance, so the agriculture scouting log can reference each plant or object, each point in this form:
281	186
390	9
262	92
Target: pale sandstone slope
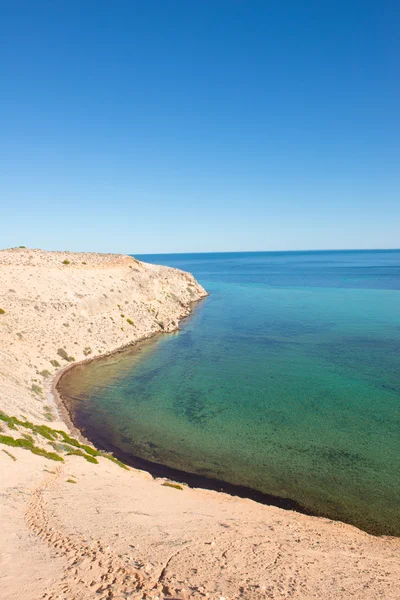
77	307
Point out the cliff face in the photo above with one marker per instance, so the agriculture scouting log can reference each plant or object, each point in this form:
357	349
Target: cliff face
60	306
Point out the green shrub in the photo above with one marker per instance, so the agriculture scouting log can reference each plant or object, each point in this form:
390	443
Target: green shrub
176	486
71	481
21	246
36	389
61	352
87	351
130	322
2	311
55	363
45	373
66	262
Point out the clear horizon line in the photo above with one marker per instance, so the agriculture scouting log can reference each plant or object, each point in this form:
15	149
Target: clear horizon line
269	251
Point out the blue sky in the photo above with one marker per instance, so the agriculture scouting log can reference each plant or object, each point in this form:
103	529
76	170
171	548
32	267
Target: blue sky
201	125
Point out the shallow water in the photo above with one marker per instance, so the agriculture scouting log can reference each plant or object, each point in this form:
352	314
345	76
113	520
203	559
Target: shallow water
285	380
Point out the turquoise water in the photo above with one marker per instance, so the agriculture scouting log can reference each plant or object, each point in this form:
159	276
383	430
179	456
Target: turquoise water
285	380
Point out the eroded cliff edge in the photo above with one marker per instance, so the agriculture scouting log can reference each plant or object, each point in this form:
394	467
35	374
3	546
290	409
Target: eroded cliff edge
62	307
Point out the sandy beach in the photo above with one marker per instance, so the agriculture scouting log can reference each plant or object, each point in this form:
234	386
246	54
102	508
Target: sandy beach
77	525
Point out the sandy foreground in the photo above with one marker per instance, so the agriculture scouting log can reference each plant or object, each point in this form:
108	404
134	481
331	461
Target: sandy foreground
72	529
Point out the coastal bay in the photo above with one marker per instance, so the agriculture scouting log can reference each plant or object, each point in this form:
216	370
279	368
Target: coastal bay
77	522
283	383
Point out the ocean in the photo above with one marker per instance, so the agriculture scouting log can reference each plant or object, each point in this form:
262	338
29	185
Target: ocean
285	381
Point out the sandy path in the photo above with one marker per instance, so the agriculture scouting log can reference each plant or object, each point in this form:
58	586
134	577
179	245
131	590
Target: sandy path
90	568
150	541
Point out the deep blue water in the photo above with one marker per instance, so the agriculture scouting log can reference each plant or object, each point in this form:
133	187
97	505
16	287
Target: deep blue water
286	380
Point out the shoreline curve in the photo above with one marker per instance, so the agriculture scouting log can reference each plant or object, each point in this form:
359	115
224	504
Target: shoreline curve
158	470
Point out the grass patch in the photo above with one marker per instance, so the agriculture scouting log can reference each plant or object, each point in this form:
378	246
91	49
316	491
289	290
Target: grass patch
45	373
130	322
55	436
49	455
87	457
9	420
55	363
176	486
60	447
9	454
43	430
67	439
36	389
115	460
71	481
28	445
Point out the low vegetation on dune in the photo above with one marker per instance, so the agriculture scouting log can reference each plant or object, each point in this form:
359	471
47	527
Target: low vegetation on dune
60	441
64	354
173	485
29	445
9	454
